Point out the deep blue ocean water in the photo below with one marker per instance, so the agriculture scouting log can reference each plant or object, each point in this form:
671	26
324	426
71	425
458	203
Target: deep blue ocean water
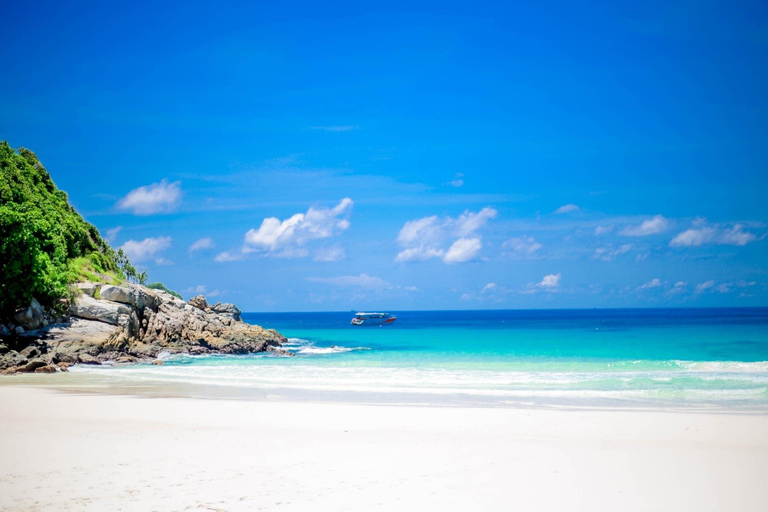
699	358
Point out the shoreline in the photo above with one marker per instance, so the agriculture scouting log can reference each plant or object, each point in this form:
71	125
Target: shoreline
96	452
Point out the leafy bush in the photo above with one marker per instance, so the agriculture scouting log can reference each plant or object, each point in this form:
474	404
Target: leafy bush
161	286
44	242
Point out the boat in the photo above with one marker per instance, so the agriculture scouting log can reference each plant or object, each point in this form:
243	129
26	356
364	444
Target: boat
373	319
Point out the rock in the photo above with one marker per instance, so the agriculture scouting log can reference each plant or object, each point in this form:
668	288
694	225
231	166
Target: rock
196	351
100	310
19	330
198	302
126	359
46	369
88	288
4	331
64	358
229	310
12	359
32	366
157	362
30	317
64	367
122	294
30	352
4	348
87	359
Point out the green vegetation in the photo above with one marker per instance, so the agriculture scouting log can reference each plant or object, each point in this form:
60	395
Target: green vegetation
161	286
44	243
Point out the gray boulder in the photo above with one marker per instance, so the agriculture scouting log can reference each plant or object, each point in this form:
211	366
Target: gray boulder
4	349
30	352
87	359
121	294
101	310
12	359
88	288
228	310
31	317
4	331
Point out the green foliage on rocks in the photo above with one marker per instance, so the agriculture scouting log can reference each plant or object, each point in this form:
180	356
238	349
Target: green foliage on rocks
161	286
44	243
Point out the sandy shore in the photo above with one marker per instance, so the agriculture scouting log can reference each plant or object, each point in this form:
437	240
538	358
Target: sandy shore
95	452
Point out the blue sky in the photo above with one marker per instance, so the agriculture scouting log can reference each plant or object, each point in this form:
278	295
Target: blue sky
409	156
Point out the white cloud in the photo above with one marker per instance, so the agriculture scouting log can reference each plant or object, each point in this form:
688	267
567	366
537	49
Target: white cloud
163	262
418	254
679	287
457	181
704	286
654	283
283	238
550	281
603	230
227	256
337	128
361	281
609	253
425	238
652	226
488	287
160	197
333	253
524	246
567	208
704	235
463	249
202	244
112	233
140	251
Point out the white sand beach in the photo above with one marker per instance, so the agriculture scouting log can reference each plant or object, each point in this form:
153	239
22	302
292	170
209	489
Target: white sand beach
96	452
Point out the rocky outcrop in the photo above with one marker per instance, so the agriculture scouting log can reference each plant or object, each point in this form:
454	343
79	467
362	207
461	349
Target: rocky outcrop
127	324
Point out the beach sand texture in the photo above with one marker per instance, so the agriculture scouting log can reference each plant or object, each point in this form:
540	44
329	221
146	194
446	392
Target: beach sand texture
96	452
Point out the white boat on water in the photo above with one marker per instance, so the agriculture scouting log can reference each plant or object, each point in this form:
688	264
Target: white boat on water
373	319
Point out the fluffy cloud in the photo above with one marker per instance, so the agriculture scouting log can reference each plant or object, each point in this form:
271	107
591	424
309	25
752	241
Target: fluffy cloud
202	244
567	208
703	235
654	283
652	226
488	287
361	281
550	281
228	256
284	238
463	249
603	230
522	247
425	238
160	197
142	250
610	253
706	285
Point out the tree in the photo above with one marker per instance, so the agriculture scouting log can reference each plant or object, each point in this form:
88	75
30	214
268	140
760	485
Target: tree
41	235
142	278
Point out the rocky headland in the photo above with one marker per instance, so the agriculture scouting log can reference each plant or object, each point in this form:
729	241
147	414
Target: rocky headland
122	325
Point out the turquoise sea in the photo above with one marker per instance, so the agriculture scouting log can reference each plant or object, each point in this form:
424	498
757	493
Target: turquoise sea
677	358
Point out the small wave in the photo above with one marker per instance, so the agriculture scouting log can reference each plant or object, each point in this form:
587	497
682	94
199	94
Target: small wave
307	347
311	349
